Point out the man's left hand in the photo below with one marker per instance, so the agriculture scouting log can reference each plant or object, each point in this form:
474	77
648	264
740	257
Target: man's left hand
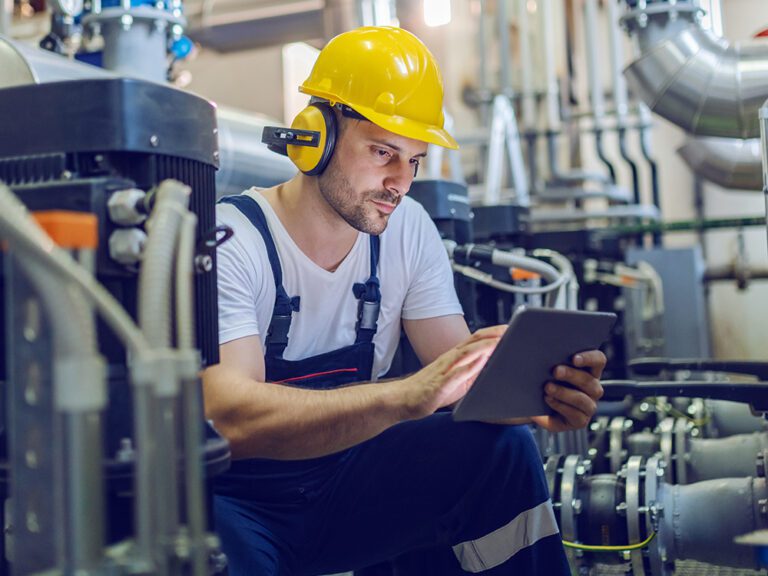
576	402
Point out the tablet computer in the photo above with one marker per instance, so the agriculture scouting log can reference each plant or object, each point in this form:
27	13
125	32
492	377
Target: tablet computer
511	384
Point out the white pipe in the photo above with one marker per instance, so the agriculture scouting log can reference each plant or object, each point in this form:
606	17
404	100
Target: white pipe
553	90
526	65
620	94
593	66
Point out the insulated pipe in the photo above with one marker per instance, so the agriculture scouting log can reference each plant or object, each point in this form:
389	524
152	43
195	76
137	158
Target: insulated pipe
6	16
691	77
699	521
526	68
728	162
734	456
482	43
505	136
595	83
243	160
505	49
764	142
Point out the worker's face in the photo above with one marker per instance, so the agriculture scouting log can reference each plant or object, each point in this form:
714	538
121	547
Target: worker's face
370	172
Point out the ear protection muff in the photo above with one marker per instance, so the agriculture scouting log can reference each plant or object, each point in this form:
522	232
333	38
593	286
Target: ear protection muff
310	140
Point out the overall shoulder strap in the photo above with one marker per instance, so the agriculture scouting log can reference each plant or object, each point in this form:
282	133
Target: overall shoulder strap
277	335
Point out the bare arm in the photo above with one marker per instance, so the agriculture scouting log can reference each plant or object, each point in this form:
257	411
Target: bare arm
270	420
431	337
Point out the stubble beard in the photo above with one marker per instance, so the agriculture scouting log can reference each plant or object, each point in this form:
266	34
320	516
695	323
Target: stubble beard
340	195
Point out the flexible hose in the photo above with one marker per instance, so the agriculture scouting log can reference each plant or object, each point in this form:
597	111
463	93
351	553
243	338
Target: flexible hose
185	309
33	242
155	278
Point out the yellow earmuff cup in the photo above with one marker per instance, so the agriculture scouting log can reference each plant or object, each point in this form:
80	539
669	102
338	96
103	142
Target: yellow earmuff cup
312	159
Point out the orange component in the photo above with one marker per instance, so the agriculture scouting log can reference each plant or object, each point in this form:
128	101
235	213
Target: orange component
72	230
520	274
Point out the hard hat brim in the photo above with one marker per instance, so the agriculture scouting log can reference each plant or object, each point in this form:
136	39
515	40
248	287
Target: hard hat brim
410	128
395	124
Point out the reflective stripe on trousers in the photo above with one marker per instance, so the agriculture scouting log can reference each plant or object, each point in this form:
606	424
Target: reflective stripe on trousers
495	548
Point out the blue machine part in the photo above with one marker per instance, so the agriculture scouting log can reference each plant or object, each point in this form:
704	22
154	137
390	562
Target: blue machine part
762	555
182	47
134	4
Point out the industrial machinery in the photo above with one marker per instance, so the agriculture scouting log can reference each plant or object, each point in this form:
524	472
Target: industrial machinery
115	410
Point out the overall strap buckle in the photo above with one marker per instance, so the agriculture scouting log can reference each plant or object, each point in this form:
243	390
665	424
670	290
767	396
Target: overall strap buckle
368	306
280	325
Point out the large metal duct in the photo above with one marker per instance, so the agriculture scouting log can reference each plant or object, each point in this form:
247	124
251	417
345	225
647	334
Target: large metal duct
703	83
728	162
243	160
231	25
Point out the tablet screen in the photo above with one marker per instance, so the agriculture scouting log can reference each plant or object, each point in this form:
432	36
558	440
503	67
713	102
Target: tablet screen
511	385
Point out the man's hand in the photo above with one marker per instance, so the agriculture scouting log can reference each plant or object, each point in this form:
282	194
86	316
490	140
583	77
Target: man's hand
447	379
575	404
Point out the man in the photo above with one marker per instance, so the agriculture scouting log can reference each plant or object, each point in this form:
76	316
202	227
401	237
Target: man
314	287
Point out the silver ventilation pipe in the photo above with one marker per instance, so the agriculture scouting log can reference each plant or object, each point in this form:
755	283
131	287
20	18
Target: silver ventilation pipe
764	139
693	78
727	162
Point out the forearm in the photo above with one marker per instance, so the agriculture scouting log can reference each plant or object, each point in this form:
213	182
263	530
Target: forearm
282	422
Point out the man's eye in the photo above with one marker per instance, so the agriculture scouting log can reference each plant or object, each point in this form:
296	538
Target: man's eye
384	154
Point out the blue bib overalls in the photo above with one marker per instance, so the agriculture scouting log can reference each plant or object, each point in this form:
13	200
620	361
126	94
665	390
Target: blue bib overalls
478	489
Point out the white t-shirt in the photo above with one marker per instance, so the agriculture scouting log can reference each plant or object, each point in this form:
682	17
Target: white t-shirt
414	272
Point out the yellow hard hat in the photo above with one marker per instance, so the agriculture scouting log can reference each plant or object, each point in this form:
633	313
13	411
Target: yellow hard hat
388	76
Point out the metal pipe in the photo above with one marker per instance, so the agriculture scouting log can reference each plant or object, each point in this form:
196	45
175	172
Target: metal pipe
687	529
645	147
595	83
504	135
552	88
620	95
484	91
764	142
505	49
691	77
526	68
728	162
731	457
6	17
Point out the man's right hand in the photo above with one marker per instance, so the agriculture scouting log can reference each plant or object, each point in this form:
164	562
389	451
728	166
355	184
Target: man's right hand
448	378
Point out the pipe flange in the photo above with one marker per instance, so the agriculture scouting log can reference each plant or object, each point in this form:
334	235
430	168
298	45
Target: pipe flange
682	429
552	468
640	17
654	476
616	452
568	503
666	444
633	487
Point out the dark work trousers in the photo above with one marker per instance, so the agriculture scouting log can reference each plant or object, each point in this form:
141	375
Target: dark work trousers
478	489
